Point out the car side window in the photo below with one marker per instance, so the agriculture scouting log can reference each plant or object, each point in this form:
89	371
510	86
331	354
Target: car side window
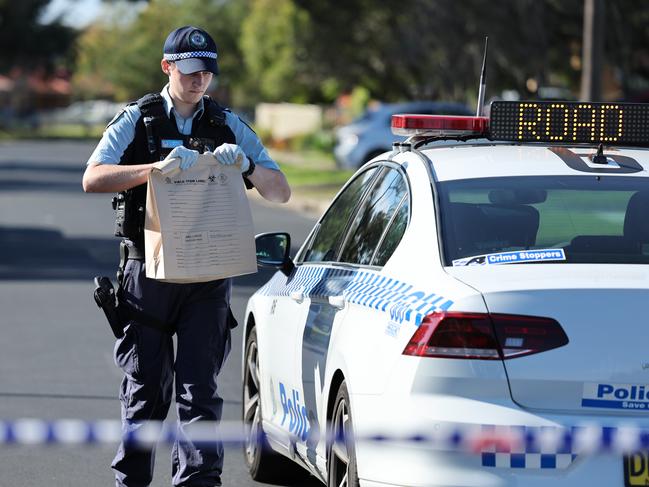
373	217
324	246
393	234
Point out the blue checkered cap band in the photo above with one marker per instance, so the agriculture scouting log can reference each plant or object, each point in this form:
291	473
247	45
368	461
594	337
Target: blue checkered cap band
187	55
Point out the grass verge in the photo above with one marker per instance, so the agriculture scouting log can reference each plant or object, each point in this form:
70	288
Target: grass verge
304	176
58	131
311	174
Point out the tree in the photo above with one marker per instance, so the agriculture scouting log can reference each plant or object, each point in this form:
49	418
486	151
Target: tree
309	50
403	49
272	42
127	55
27	43
627	32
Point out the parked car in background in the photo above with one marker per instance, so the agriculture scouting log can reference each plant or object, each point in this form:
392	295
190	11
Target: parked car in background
370	134
88	112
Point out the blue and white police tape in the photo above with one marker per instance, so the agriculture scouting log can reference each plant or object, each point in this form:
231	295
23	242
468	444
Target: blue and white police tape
34	432
583	439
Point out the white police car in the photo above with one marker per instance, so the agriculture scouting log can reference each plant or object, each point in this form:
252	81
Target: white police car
490	276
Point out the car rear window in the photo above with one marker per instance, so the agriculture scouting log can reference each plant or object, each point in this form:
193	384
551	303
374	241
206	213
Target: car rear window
593	219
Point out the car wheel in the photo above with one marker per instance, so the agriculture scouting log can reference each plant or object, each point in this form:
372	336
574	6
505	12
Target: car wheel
341	454
263	463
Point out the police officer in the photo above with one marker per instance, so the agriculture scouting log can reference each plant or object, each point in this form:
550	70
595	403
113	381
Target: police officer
161	127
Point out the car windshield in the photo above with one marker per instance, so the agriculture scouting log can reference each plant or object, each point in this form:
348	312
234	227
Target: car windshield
553	219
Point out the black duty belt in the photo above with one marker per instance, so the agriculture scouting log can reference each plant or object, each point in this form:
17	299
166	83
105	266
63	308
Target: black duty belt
129	250
135	253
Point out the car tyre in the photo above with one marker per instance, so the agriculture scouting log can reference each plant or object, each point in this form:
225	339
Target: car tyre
341	454
263	463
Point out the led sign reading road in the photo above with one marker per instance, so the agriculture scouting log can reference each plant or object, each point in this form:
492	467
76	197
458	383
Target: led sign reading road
570	122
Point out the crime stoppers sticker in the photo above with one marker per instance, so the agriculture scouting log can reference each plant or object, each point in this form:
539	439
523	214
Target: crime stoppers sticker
513	257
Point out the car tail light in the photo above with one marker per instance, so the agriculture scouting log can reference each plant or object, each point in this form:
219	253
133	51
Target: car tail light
484	336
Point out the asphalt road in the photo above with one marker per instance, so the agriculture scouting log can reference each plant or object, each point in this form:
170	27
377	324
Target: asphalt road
55	346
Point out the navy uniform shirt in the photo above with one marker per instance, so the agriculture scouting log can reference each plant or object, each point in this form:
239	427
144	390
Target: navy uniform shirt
120	132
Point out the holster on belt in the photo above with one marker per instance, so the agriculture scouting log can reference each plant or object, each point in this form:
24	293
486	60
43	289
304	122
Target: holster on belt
119	312
106	299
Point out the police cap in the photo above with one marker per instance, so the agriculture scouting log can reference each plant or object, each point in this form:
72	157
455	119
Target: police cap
192	49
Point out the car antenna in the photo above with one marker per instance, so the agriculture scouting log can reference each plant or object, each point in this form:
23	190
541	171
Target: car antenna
483	80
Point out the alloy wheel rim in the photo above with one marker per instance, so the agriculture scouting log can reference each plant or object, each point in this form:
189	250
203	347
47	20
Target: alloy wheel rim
339	446
251	404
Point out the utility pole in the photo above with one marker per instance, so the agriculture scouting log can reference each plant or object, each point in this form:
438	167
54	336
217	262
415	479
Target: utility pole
592	51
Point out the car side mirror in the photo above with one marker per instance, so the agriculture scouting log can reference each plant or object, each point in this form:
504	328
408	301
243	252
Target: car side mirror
273	251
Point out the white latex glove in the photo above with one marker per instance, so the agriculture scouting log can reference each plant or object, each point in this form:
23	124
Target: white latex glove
232	154
187	157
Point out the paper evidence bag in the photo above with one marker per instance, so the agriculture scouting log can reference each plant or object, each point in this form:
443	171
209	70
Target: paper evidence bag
198	225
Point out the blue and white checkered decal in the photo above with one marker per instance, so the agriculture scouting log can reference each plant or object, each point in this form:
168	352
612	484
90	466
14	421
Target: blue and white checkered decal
532	452
402	301
187	55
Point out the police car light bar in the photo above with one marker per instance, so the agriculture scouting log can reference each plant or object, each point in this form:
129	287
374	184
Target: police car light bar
439	125
570	122
559	122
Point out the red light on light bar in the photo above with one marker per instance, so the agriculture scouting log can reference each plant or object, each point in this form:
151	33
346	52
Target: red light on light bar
438	125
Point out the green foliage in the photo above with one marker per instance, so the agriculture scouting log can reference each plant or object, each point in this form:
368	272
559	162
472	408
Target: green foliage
26	42
304	175
320	141
271	43
313	50
330	89
128	55
407	49
264	134
359	99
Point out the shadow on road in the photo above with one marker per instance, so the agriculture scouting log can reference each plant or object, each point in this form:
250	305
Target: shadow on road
254	280
50	166
45	254
51	176
41	185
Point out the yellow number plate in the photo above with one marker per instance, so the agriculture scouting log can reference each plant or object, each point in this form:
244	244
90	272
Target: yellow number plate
636	469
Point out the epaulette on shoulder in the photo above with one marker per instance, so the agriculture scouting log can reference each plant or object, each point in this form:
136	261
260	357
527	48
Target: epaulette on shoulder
151	105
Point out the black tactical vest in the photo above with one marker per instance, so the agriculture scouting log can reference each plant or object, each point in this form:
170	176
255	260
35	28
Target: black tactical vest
156	135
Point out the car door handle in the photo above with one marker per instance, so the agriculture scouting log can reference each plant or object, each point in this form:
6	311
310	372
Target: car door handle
337	302
297	296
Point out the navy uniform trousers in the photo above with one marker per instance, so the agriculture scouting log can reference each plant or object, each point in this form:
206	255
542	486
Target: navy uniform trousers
200	316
